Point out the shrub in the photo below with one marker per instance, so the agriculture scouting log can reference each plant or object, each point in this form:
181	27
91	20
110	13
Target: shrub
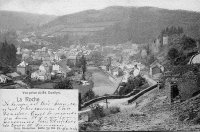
111	110
124	90
114	110
64	84
71	73
89	95
97	112
173	53
133	83
188	42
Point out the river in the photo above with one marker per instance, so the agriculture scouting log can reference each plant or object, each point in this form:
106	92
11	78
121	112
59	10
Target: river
102	83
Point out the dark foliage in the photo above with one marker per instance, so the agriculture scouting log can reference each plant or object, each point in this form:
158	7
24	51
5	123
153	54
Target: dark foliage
182	60
98	111
5	70
78	60
121	73
97	58
133	83
182	56
83	66
71	73
70	63
64	84
188	42
175	91
63	57
172	30
150	59
7	55
173	53
88	95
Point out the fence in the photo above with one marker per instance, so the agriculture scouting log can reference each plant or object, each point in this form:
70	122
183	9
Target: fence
136	92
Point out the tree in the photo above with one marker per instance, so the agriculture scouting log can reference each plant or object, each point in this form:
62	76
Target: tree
121	59
70	63
64	84
188	43
151	59
109	63
78	60
172	30
62	57
133	83
7	54
13	52
173	53
97	58
83	66
89	95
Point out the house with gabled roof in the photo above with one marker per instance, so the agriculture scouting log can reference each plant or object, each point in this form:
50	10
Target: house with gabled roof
22	68
156	69
40	75
4	78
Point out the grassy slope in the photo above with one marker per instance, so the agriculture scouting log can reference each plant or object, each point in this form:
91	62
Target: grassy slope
153	113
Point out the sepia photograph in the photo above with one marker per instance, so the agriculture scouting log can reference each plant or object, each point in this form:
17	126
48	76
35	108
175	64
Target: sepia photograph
99	65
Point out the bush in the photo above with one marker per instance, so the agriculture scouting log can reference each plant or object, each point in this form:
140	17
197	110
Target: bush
133	83
111	110
88	95
71	73
173	53
114	110
97	112
188	42
64	84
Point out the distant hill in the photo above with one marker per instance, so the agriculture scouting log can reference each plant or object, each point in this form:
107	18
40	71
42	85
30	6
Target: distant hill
119	24
20	20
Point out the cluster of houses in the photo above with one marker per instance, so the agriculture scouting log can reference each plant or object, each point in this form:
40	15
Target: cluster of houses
44	63
31	38
43	70
121	67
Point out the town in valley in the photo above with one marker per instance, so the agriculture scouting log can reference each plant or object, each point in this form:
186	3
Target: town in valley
136	68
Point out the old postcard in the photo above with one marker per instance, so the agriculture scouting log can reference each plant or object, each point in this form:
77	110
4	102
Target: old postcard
35	110
99	65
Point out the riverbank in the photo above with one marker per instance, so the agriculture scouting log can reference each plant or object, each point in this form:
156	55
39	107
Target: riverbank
84	88
116	80
102	84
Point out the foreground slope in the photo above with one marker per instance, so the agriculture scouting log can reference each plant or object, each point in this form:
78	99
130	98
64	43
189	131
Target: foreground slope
154	113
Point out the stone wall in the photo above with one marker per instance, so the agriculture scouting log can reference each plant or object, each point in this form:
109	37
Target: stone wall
188	85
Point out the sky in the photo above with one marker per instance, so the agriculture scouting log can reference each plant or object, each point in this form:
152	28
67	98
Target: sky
63	7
